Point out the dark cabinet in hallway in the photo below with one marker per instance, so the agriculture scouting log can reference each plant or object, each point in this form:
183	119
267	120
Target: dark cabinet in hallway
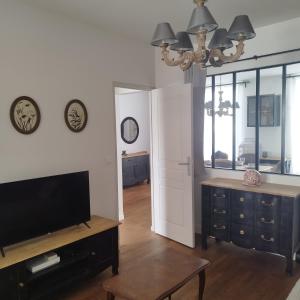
136	168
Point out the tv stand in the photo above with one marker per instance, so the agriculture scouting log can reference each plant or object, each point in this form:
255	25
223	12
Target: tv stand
84	252
87	225
2	252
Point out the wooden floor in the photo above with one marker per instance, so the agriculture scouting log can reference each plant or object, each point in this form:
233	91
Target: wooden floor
235	273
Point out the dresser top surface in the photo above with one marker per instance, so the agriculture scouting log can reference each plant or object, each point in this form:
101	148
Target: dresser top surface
264	188
31	248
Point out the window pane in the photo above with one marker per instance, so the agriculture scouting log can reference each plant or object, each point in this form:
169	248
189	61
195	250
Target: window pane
223	121
270	120
245	119
207	151
292	140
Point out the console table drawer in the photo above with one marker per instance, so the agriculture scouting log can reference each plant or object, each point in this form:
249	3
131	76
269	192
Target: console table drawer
267	241
267	221
220	229
267	203
242	235
243	200
220	198
243	216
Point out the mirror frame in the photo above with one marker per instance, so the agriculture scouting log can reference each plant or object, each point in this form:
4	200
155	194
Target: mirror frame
122	130
283	120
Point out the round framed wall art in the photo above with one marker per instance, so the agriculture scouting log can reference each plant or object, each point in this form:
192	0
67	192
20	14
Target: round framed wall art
76	115
25	115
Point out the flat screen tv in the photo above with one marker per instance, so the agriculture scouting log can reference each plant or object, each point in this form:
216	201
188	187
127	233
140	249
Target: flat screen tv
35	207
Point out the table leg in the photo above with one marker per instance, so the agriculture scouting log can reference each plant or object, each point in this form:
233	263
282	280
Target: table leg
110	296
201	284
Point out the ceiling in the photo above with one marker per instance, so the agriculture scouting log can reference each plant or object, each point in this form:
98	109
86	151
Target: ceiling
136	19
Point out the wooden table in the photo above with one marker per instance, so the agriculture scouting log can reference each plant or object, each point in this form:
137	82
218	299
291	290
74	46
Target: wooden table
157	277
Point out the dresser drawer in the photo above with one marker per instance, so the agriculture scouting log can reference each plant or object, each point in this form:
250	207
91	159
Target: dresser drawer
267	240
220	198
243	200
268	220
267	202
220	228
243	216
242	235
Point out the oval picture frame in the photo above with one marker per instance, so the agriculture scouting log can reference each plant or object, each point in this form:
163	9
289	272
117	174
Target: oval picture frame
76	116
133	140
25	115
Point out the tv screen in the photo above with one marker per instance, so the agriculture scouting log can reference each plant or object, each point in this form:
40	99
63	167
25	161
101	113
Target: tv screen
35	207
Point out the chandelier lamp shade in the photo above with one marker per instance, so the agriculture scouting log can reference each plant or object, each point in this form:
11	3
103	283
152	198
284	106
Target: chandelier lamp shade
201	23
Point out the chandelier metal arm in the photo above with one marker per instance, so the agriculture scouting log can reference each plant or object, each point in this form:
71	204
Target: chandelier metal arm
185	59
218	58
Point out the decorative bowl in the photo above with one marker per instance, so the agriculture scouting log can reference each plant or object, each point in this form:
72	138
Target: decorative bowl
252	178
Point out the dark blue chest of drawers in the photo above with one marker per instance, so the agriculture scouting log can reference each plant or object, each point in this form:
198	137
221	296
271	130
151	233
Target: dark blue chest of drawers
264	218
136	169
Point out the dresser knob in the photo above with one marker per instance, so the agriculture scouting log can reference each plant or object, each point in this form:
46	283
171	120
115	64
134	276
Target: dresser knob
242	216
93	253
242	232
21	284
242	199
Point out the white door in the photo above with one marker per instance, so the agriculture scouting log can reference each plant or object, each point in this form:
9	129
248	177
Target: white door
172	163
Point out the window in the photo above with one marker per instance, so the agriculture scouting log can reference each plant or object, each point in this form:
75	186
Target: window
252	120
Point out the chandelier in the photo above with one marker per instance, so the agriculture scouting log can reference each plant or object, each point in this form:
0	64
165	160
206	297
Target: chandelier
224	108
200	24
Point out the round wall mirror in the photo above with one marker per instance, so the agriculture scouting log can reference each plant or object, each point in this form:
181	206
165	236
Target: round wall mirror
129	130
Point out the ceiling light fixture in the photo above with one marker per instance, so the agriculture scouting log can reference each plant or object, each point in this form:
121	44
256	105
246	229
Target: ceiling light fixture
225	107
200	24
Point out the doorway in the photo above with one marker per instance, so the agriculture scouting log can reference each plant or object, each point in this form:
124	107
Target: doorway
133	131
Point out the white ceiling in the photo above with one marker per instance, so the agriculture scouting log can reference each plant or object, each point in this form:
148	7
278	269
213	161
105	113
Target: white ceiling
137	18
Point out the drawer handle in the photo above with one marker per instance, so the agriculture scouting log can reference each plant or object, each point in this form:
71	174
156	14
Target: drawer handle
21	284
271	240
242	216
242	199
221	212
263	220
93	253
264	203
219	196
220	227
242	232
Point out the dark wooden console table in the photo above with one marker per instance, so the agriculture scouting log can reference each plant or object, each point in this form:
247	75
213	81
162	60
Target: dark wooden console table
84	252
264	218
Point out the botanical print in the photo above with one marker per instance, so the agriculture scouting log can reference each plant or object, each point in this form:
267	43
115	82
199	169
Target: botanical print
76	115
25	115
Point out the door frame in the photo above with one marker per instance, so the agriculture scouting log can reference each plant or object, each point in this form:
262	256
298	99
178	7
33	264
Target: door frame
120	213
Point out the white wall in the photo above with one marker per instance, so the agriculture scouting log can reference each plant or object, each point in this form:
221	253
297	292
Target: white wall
53	60
136	105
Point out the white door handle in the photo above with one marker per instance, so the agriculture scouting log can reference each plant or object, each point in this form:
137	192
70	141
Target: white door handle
188	164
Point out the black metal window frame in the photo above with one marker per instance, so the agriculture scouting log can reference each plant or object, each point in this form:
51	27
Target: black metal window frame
257	127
